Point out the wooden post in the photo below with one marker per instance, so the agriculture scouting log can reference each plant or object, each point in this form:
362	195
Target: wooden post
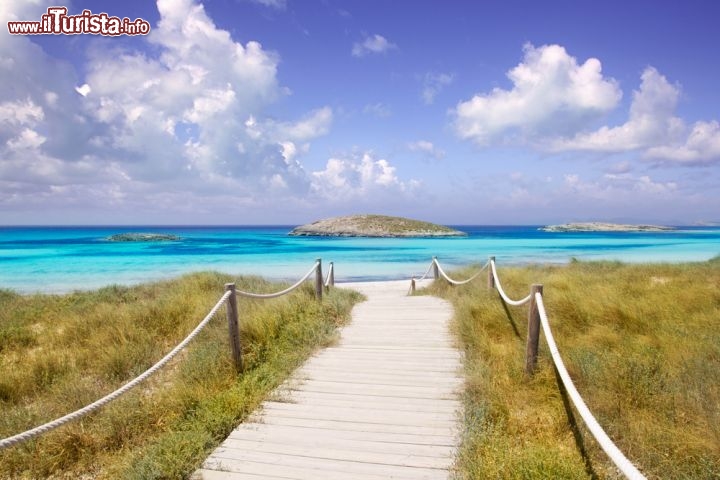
436	272
318	280
533	331
412	286
491	278
233	327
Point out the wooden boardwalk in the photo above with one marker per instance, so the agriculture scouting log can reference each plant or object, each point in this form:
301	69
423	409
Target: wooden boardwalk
382	403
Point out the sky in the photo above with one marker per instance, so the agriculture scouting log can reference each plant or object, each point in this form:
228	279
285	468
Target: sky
286	111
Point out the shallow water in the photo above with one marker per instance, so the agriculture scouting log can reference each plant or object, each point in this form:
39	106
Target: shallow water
61	259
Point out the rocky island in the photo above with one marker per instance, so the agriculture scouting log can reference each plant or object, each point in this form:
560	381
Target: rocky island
374	226
604	227
142	237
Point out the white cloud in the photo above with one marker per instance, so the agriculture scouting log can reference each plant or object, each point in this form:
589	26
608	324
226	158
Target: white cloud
197	109
358	176
27	140
177	115
434	83
620	167
51	98
646	184
551	94
379	110
641	184
651	120
289	151
212	102
44	137
427	148
21	10
618	187
252	129
702	146
21	112
554	100
276	4
653	129
278	182
83	90
314	124
374	44
186	115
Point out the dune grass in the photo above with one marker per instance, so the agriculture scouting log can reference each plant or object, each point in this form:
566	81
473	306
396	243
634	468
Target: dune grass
641	342
61	352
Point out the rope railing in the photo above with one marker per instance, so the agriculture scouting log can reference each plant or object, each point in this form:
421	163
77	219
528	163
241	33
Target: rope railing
424	276
618	458
502	293
232	311
282	292
229	298
457	282
537	316
330	280
438	272
22	437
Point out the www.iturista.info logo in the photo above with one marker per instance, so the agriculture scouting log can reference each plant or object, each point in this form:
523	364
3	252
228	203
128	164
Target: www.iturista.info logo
57	22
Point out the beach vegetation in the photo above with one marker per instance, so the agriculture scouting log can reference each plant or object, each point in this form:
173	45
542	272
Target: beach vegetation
59	353
642	344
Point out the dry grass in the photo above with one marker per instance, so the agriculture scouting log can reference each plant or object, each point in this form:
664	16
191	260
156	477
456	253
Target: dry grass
642	343
59	353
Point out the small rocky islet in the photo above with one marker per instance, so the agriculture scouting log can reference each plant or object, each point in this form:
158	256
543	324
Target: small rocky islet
381	226
143	237
604	227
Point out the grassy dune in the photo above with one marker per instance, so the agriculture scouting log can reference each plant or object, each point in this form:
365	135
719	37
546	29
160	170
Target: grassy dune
59	353
642	343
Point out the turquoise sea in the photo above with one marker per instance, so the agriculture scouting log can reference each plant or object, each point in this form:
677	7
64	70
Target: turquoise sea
62	259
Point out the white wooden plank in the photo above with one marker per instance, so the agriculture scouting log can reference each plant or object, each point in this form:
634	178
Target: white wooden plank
204	474
316	432
392	417
318	438
377	367
228	468
380	390
376	364
237	460
359	426
369	401
381	378
359	411
234	448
